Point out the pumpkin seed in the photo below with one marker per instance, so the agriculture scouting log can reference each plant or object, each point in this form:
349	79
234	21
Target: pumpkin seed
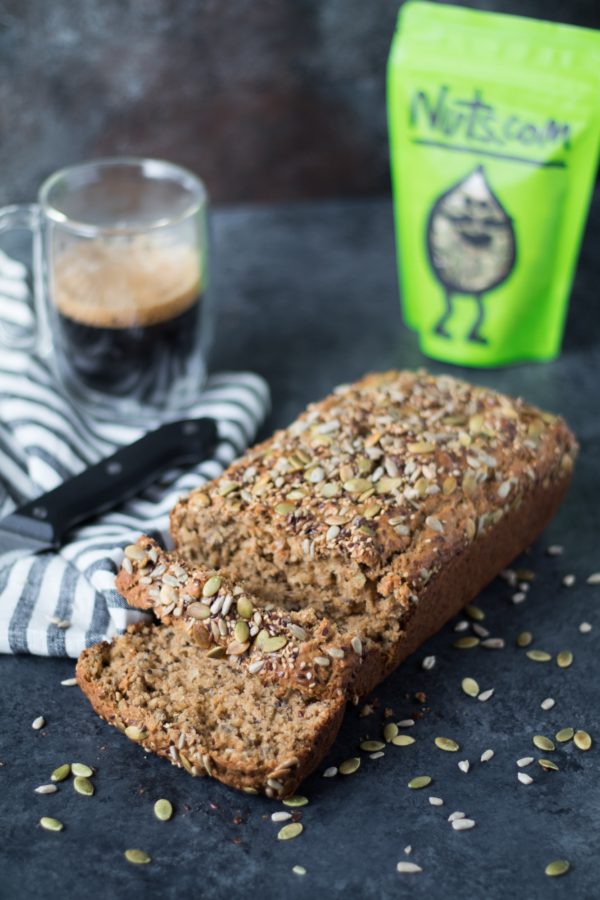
420	781
524	639
284	509
61	773
245	608
135	734
466	643
80	769
448	744
390	731
349	766
565	734
211	586
543	743
474	612
403	740
557	867
564	659
357	485
273	644
547	764
296	800
470	686
83	786
582	740
539	655
290	831
51	824
372	746
138	857
241	631
163	810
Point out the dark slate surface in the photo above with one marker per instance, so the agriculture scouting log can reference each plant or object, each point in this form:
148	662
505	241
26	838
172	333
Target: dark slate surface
307	296
268	99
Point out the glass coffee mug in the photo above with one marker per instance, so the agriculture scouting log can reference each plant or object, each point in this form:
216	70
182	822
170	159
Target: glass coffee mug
120	276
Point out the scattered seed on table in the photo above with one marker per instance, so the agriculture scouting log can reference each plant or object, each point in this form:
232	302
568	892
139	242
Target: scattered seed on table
408	868
524	761
436	801
405	723
444	743
594	578
297	799
480	631
51	824
524	778
464	765
466	643
82	769
548	765
138	857
493	643
298	870
519	597
83	786
403	740
548	703
565	734
38	723
456	815
462	625
377	755
539	655
290	831
463	824
280	816
568	580
557	867
428	663
372	746
408	849
564	659
474	612
486	755
555	550
485	695
420	781
470	687
163	810
69	682
585	628
330	772
582	740
524	639
543	743
46	789
390	731
61	773
349	766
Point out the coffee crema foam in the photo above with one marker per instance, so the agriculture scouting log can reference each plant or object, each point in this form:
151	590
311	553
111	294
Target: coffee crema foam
123	285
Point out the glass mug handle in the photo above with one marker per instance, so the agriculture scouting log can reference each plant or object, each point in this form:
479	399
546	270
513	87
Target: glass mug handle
28	217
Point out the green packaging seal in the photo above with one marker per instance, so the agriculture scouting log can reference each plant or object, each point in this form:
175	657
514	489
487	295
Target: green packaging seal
494	124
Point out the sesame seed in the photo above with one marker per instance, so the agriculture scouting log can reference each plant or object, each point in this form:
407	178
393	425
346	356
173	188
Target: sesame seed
555	550
594	578
487	755
462	625
524	778
428	663
38	723
330	772
436	801
585	628
298	870
464	765
568	580
408	850
519	597
548	703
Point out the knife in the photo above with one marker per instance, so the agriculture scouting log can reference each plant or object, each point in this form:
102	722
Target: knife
42	524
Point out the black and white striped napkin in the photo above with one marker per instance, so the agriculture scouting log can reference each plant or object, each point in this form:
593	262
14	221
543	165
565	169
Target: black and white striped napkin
55	604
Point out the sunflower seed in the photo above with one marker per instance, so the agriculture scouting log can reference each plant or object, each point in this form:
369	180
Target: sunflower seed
547	765
557	867
138	857
564	659
372	746
594	578
69	682
330	772
51	824
524	639
83	786
405	723
524	778
539	655
464	765
61	773
524	761
585	628
568	580
463	824
290	831
298	870
555	550
420	781
470	687
295	801
548	703
466	643
582	740
38	723
444	743
403	740
408	868
428	663
436	801
565	734
163	810
456	815
486	755
493	643
519	597
390	731
485	695
461	626
543	743
349	766
46	789
479	630
82	770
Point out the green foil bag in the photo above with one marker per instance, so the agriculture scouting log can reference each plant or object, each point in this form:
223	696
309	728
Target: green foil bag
494	133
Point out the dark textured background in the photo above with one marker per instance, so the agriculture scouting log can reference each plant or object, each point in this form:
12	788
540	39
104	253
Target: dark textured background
267	99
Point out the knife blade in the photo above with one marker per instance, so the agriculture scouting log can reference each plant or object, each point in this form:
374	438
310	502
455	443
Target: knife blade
43	523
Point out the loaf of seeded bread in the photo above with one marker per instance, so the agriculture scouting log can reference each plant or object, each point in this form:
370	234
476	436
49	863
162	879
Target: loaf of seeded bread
319	561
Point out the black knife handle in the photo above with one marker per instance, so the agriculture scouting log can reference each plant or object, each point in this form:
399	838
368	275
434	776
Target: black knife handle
120	476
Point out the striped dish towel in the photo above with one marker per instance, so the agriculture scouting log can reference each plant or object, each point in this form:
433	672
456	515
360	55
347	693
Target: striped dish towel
55	604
